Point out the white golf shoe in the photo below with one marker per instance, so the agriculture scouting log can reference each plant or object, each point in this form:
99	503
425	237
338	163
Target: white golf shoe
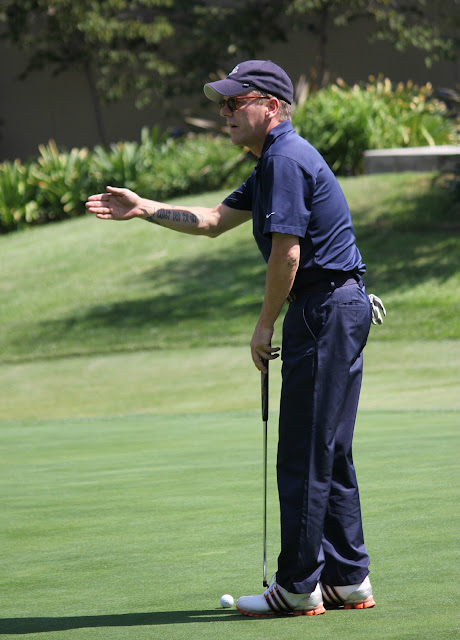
352	596
276	601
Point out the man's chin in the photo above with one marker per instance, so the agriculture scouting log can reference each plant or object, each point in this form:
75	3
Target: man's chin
235	138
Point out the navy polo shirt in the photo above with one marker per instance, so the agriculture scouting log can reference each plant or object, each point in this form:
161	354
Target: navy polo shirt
292	190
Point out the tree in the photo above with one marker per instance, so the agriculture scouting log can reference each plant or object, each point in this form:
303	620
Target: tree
404	23
152	49
155	49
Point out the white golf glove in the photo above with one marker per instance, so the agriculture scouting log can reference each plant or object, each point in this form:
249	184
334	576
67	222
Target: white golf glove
377	307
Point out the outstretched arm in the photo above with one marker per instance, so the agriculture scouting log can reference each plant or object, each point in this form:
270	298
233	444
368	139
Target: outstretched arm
123	204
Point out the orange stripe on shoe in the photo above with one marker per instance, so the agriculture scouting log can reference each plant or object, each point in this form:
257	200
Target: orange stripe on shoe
311	612
258	615
367	604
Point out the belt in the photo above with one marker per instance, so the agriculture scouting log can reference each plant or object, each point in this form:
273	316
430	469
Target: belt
323	285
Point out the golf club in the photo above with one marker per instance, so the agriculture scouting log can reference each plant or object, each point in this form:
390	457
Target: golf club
264	394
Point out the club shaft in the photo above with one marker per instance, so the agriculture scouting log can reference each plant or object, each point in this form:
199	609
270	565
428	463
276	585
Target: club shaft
265	584
264	395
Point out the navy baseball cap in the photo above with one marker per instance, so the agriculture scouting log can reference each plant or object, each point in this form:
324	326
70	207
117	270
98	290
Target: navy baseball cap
252	74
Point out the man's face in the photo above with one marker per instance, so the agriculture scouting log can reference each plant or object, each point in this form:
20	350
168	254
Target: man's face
248	123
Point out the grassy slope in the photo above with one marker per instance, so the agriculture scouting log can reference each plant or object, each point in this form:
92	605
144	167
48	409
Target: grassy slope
88	286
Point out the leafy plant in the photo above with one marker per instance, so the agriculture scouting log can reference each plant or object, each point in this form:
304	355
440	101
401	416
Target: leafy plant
128	164
118	165
342	121
190	165
63	181
56	186
161	168
18	204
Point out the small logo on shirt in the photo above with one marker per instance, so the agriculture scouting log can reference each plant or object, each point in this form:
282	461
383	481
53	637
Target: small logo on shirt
270	214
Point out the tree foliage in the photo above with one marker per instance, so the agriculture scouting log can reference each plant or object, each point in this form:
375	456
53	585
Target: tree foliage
431	27
151	48
159	48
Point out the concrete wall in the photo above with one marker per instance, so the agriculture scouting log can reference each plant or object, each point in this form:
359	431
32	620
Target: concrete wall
59	107
354	59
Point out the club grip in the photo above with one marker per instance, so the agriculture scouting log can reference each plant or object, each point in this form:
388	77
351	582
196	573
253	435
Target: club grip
264	392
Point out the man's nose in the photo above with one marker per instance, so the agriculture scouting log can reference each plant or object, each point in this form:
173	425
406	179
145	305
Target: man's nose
225	111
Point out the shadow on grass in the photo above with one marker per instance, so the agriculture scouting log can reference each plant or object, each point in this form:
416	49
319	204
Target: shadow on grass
194	289
203	295
410	234
397	262
215	298
17	626
225	289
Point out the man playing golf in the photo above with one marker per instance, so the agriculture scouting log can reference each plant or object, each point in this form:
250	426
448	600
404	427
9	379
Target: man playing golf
303	228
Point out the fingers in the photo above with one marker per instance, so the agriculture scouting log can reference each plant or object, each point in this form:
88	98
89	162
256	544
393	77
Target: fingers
116	191
261	348
98	204
105	216
100	209
110	191
99	196
261	355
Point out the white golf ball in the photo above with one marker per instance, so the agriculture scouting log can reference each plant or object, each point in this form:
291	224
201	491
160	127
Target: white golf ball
226	601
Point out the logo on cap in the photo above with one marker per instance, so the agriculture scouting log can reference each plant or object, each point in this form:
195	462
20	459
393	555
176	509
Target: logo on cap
235	70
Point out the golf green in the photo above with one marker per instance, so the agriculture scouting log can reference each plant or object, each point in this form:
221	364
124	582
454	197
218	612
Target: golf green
134	526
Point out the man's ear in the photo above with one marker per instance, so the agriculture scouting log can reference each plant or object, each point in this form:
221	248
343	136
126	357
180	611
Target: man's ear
273	106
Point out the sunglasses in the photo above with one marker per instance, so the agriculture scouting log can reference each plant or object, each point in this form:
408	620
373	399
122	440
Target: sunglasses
233	103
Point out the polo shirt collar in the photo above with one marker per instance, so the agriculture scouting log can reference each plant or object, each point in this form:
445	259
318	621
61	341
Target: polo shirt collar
276	132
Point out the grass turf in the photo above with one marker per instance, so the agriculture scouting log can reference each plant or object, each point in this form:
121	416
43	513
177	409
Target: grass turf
88	286
131	482
132	527
422	374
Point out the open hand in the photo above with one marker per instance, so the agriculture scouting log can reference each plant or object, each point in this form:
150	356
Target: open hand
116	204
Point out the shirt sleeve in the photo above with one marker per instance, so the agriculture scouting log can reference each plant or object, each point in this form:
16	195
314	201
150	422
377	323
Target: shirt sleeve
241	198
288	190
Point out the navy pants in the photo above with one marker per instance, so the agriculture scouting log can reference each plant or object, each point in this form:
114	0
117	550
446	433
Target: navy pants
324	334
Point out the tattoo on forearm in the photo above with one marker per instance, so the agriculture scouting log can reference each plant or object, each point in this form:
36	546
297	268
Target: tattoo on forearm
163	214
177	215
150	217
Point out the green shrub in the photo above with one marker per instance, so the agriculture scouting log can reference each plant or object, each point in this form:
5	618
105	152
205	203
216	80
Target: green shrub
118	166
18	204
125	164
162	168
57	185
342	121
193	164
63	182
